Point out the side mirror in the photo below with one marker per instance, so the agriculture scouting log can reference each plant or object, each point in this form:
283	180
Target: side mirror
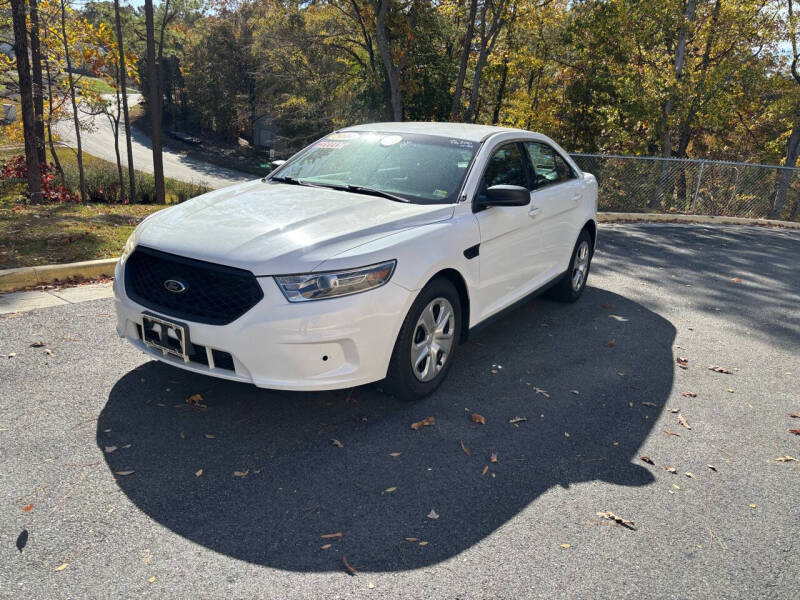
277	163
506	195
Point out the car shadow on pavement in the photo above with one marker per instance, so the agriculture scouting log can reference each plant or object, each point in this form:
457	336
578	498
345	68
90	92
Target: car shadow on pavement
274	483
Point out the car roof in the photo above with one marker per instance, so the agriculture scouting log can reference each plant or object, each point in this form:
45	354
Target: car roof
464	131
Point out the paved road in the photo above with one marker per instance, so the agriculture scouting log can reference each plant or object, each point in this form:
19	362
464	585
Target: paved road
100	142
657	291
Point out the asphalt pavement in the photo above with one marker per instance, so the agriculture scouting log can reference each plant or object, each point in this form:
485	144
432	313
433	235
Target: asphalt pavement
111	485
98	139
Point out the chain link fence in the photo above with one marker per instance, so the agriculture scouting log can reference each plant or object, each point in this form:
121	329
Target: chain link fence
692	186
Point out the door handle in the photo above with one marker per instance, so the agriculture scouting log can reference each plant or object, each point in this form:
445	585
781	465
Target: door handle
533	212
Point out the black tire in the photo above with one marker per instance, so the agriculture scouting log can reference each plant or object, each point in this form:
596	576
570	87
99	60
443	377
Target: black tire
565	290
401	381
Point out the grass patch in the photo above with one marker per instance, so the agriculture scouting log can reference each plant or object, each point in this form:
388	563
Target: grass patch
96	85
32	234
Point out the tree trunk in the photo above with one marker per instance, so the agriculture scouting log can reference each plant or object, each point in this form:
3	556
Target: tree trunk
666	110
155	103
38	93
392	71
115	127
123	79
50	122
455	112
81	173
26	100
785	175
487	40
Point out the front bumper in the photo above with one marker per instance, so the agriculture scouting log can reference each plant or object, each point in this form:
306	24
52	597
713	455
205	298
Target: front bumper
320	345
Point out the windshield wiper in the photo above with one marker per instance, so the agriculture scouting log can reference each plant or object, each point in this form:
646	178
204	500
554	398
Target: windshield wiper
289	180
360	189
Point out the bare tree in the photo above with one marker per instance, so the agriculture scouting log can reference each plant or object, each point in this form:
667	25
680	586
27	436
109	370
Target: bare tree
26	99
793	144
123	77
669	103
155	103
38	92
491	22
71	82
466	49
393	69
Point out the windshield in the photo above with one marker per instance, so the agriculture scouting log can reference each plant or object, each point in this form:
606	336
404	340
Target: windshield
422	169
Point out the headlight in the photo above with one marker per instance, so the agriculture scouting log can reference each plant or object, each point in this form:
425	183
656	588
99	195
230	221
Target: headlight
318	286
128	247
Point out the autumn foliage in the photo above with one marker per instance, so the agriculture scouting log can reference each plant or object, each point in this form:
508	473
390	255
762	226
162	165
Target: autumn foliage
52	192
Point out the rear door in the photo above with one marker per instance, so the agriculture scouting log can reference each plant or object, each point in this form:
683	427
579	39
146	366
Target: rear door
555	198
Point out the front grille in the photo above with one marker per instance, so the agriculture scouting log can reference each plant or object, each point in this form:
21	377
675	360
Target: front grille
214	294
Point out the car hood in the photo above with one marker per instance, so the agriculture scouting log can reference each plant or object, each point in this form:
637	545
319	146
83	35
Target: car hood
271	229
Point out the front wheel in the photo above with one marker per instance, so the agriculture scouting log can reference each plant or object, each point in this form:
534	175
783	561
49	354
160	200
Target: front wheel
570	287
427	342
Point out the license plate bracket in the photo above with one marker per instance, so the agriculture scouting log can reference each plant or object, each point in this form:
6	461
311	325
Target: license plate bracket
168	336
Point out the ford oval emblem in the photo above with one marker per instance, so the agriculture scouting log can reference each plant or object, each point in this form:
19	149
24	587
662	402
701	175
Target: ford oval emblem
175	286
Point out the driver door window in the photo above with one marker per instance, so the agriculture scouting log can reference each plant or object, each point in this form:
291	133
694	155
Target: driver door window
506	167
548	166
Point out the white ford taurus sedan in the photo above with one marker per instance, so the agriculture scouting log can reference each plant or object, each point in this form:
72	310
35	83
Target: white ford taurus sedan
369	255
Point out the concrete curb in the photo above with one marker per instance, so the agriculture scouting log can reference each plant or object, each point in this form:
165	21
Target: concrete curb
14	279
618	217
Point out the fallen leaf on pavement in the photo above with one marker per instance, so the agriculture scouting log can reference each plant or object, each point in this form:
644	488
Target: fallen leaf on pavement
689	394
689	475
210	436
48	352
11	354
330	536
683	362
752	506
426	422
670	469
565	546
395	454
241	474
794	416
412	539
618	318
198	472
337	443
109	449
795	431
712	467
652	404
718	369
61	567
576	392
541	391
476	418
124	472
736	280
515	420
194	399
27	508
465	449
152	579
485	470
610	343
325	546
606	305
647	459
668	432
433	514
350	568
493	457
786	458
389	490
682	420
607	514
423	543
37	344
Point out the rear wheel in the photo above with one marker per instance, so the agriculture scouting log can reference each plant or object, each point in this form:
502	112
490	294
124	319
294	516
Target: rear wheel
570	287
427	342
